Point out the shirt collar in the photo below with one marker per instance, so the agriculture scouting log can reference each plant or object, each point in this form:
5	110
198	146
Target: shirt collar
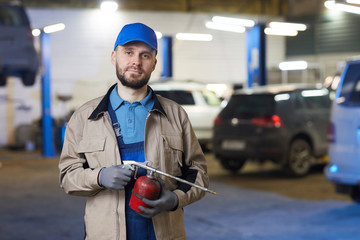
103	104
116	100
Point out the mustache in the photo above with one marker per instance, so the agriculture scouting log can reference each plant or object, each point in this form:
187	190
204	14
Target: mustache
134	68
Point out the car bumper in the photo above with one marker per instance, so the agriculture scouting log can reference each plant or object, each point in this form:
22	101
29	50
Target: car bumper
336	174
267	148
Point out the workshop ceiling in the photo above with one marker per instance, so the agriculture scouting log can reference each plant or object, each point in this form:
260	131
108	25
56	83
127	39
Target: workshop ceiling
258	7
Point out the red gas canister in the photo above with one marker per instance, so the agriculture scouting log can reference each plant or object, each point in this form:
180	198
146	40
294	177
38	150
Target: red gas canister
145	187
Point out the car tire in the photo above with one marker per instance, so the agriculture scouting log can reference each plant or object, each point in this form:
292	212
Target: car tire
355	194
299	158
231	164
3	78
28	78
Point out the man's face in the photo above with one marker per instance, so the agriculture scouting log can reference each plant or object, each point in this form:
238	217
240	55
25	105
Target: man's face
134	63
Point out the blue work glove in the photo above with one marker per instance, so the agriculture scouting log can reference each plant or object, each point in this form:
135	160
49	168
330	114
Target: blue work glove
167	201
115	177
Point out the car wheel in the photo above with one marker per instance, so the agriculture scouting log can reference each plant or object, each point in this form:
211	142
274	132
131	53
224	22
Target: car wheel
2	79
28	78
355	194
232	164
299	158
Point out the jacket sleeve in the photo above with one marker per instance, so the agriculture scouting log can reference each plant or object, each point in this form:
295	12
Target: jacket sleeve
76	178
194	167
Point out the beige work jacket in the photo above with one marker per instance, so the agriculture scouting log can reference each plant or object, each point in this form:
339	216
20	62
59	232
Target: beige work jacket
170	145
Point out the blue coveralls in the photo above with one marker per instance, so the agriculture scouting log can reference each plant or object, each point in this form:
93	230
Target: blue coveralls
137	227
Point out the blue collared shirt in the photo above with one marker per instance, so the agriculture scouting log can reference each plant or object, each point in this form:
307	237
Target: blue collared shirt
131	116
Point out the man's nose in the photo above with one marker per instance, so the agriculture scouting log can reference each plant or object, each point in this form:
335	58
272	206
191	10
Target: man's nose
136	60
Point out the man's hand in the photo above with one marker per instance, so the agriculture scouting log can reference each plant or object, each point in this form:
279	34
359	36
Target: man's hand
167	201
115	177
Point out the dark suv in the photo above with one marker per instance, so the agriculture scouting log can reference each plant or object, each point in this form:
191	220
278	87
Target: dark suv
284	123
18	56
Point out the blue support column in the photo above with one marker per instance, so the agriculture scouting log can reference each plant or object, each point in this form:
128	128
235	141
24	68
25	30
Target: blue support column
47	124
256	55
167	57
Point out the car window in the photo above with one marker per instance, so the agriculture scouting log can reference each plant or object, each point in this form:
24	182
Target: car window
12	16
298	103
350	89
355	93
210	98
179	96
316	98
248	106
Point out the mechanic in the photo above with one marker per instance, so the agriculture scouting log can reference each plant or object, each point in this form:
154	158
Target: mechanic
132	123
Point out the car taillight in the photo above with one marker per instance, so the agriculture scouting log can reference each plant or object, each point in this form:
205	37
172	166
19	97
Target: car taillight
273	121
217	121
330	132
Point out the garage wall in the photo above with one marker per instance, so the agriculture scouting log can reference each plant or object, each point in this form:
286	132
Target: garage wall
80	57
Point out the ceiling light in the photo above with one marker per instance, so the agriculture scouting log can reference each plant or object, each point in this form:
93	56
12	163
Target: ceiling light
194	36
54	28
342	7
225	27
285	25
293	65
234	21
281	32
158	34
109	6
353	1
314	93
36	32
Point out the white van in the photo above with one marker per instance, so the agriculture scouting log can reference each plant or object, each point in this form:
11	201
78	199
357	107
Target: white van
344	134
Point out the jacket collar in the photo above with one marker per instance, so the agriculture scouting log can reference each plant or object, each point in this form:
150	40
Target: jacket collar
103	105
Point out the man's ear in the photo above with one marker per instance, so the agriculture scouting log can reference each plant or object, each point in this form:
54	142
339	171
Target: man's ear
113	57
154	65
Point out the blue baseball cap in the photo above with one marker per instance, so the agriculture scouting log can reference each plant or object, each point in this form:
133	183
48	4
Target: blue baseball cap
137	32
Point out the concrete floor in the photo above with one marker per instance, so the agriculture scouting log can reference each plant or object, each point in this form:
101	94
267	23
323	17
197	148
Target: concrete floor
32	206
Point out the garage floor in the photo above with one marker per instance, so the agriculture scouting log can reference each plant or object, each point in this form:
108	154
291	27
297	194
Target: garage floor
32	206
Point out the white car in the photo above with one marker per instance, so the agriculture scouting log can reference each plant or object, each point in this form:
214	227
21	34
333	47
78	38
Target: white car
201	105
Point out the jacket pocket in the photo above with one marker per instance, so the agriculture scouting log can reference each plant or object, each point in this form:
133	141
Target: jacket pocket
173	151
93	150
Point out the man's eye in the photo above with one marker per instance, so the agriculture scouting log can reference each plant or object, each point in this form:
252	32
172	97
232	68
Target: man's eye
146	55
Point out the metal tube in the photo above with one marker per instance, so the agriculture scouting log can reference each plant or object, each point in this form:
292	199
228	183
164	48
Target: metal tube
145	166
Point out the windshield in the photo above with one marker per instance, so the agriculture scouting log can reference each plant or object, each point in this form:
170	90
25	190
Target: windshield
211	98
249	106
12	16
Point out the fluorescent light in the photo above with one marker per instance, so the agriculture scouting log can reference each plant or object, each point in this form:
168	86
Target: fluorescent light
54	28
233	21
280	32
293	65
285	25
329	4
342	7
194	36
158	34
36	32
282	97
225	27
353	1
314	93
109	6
